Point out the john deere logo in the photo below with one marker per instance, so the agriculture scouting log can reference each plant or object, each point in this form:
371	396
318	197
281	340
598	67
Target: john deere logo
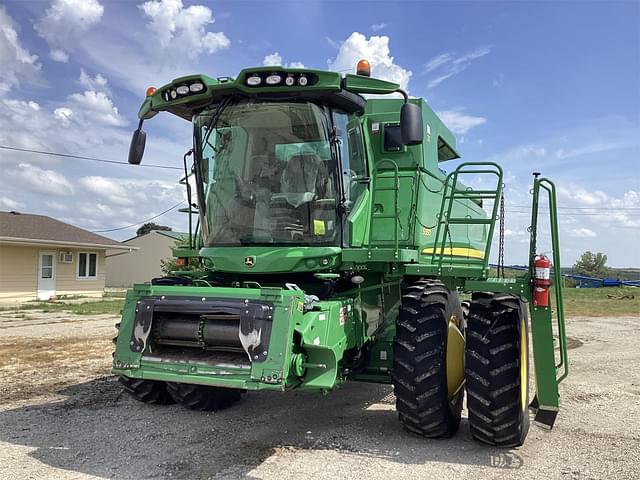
249	261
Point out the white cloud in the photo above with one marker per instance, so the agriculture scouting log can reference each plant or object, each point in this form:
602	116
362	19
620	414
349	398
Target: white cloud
56	205
459	122
446	65
64	115
40	180
108	189
376	51
436	61
580	196
65	22
18	64
95	107
582	233
85	123
129	192
58	55
376	27
275	59
97	83
183	28
7	203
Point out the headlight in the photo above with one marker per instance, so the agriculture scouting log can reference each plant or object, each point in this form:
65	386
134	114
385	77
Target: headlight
273	79
182	90
173	94
302	81
196	87
254	81
289	81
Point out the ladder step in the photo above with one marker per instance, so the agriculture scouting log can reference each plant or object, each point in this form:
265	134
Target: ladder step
475	192
467	221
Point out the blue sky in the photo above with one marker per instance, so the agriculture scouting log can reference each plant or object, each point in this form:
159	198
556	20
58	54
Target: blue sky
550	86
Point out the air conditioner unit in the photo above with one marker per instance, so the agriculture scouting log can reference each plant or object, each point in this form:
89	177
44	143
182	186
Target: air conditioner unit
66	257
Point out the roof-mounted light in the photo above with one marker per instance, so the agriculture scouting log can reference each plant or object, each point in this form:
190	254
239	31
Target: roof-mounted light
363	68
196	87
289	81
182	90
273	79
151	91
254	81
302	81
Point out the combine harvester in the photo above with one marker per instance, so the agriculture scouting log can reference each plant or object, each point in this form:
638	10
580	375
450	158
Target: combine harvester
330	246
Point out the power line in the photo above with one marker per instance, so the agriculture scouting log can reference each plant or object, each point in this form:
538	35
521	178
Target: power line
80	157
140	222
582	208
579	214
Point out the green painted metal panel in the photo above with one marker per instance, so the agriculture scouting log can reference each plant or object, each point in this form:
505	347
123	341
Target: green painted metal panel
413	219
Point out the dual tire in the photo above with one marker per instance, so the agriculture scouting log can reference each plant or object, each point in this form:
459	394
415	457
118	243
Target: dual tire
495	362
424	402
497	370
194	397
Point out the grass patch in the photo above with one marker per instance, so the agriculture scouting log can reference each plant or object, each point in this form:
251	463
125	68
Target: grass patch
115	294
594	302
89	308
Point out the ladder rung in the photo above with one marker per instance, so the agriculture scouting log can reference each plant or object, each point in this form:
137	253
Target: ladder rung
470	197
468	221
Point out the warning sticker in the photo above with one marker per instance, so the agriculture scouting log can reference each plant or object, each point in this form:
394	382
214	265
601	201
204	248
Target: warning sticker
319	227
343	316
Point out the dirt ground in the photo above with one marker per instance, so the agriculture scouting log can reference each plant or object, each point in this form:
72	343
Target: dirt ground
63	417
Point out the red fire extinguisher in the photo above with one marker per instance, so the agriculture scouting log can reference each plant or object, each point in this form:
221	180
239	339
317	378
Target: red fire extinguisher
541	281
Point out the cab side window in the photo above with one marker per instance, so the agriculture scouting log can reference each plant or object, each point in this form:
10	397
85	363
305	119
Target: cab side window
354	164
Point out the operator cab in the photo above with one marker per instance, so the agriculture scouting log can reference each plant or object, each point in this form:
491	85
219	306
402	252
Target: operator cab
276	172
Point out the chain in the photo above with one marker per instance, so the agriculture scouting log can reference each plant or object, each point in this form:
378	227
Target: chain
501	248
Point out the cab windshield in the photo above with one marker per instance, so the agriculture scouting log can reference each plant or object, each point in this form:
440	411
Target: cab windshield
267	175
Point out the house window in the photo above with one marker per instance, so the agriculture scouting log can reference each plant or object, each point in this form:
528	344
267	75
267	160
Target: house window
87	265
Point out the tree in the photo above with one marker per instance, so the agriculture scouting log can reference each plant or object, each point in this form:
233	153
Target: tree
592	265
168	264
148	227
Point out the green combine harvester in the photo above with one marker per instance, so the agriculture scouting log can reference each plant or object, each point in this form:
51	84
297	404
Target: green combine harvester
330	245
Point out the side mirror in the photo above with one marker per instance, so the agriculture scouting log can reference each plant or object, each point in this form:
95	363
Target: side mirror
411	124
136	149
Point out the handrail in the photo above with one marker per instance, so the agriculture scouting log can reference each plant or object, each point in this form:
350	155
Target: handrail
451	193
550	188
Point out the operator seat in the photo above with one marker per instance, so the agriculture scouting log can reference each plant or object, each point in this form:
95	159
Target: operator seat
301	208
307	173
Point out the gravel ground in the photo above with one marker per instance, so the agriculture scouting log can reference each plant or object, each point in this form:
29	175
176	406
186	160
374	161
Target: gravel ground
68	419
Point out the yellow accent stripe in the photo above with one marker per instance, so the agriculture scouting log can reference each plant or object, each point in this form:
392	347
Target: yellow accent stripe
457	252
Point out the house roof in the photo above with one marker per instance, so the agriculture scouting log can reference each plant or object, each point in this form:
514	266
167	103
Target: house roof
174	235
25	228
165	233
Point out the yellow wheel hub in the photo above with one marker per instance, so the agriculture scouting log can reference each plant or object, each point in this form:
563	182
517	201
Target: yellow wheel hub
455	358
524	367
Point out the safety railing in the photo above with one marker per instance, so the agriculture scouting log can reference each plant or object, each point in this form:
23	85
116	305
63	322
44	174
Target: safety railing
453	192
562	368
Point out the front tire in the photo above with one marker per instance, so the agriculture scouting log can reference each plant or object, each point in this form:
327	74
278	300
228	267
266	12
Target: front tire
426	406
497	370
202	397
147	391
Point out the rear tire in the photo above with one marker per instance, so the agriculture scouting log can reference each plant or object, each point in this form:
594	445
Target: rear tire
203	398
420	360
497	370
147	391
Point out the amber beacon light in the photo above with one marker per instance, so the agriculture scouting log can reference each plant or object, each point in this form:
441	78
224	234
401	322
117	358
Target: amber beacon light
363	68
